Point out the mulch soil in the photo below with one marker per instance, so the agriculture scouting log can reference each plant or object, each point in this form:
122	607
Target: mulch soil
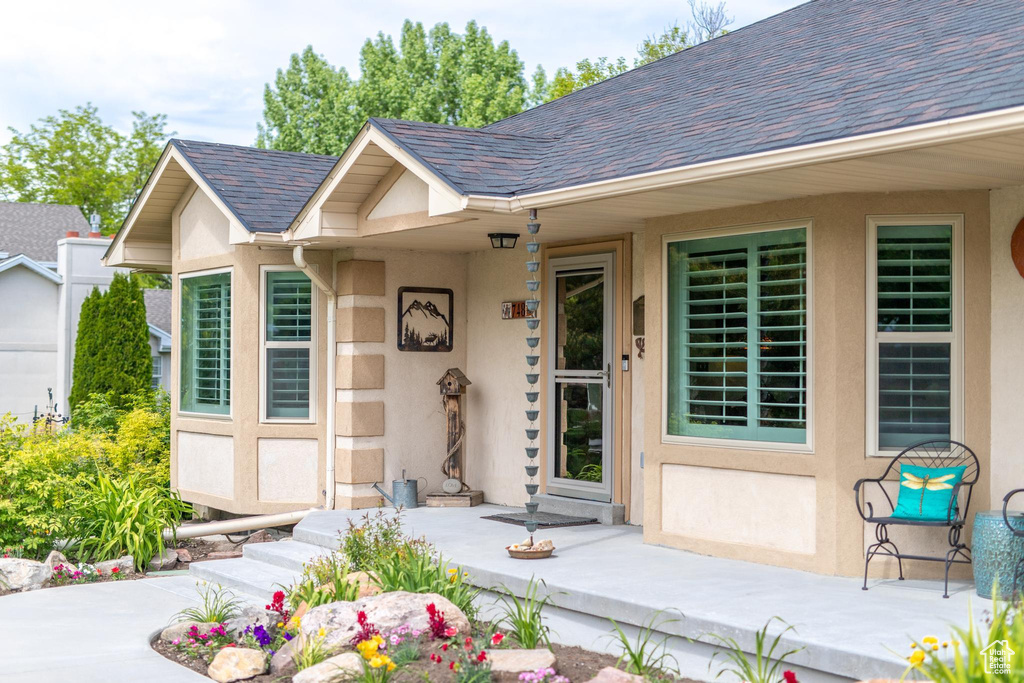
574	663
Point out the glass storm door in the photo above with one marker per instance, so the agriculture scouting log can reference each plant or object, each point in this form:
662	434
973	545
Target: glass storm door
579	382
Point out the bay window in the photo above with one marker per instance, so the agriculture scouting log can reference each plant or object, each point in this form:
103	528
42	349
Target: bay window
288	345
205	377
736	337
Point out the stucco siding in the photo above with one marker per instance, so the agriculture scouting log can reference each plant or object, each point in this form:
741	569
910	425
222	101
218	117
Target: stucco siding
28	341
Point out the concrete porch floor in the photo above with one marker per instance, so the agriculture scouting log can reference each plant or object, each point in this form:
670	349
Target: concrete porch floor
601	572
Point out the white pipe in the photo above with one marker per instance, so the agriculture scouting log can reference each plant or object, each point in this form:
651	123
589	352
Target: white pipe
332	353
232	526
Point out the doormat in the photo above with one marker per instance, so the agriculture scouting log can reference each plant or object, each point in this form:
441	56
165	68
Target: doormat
545	520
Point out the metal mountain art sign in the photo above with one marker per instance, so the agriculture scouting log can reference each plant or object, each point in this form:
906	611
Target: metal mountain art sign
424	319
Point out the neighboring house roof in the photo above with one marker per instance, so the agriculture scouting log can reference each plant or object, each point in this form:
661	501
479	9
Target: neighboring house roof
32	265
158	308
265	189
824	70
33	229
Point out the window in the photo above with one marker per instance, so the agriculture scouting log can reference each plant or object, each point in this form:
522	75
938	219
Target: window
737	337
287	345
206	344
158	373
914	324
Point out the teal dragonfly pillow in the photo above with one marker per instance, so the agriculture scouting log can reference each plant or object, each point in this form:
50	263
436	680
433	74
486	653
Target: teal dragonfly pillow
925	492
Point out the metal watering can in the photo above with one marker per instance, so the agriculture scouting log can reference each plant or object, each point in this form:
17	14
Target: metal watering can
404	492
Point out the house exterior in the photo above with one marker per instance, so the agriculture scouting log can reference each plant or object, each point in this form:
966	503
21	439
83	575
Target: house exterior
158	315
766	264
50	259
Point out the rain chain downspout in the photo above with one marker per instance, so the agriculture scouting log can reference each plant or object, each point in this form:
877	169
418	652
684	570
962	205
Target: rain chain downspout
532	375
332	353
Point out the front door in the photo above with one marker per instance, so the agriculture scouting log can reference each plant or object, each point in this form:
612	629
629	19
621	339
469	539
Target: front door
580	340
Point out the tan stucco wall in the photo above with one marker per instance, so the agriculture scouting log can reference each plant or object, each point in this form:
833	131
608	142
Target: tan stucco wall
406	420
838	460
496	403
1007	207
195	232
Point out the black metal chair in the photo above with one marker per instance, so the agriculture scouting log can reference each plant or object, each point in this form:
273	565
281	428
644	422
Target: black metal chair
943	453
1018	570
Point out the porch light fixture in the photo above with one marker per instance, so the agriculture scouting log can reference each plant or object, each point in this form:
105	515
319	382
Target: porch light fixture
503	240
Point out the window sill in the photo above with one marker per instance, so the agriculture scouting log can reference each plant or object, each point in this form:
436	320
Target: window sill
738	444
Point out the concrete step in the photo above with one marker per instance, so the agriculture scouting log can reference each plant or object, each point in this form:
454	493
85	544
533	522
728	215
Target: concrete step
605	513
245	575
290	555
313	534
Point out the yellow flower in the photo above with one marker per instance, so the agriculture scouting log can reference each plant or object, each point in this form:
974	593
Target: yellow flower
913	645
935	647
321	632
916	658
929	640
280	624
378	662
453	571
945	643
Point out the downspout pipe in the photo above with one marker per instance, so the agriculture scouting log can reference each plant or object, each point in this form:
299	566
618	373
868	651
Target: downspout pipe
234	526
332	353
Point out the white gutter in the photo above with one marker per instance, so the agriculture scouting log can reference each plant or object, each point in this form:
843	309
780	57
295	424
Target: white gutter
332	353
964	129
234	526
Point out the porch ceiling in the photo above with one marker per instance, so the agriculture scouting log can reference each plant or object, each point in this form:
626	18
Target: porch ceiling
977	164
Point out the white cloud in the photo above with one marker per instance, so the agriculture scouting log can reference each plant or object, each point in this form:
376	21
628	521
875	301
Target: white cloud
204	64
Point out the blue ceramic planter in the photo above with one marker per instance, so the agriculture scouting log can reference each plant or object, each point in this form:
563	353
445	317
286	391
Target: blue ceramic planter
995	552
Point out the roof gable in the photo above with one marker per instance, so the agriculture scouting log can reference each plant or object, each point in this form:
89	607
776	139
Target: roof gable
265	189
37	268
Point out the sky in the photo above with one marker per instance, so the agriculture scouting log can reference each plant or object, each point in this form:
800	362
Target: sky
204	64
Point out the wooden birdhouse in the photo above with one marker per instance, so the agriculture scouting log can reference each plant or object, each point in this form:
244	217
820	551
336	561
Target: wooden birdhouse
453	382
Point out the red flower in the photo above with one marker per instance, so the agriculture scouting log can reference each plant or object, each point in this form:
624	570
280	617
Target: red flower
482	656
99	573
497	638
444	647
468	644
451	666
450	632
436	658
789	677
115	570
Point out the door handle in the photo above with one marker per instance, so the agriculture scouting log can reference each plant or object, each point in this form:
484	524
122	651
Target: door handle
607	375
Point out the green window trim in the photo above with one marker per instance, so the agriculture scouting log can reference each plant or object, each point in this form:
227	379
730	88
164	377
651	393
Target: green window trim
914	322
205	376
288	345
721	292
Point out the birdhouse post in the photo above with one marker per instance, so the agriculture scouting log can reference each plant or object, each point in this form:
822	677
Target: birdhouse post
453	386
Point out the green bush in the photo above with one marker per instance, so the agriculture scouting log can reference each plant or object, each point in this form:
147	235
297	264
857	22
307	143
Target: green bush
41	473
374	539
126	516
414	568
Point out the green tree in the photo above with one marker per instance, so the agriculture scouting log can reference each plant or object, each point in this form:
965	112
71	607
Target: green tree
74	158
112	354
83	372
436	76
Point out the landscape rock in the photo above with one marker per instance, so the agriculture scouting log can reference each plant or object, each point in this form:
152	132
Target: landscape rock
386	611
283	659
223	554
366	585
237	664
57	557
261	536
165	560
518	661
18	574
125	565
342	667
180	630
183	554
610	674
249	616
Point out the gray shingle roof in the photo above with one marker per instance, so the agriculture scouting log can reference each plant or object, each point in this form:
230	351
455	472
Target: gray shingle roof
158	308
265	188
824	70
33	229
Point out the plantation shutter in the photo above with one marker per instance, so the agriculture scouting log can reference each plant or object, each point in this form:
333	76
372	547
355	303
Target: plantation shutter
288	340
915	302
206	344
737	337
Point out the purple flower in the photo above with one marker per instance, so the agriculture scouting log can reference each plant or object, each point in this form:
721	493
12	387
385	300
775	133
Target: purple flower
287	636
261	635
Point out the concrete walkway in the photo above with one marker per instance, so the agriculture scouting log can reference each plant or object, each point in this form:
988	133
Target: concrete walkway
93	633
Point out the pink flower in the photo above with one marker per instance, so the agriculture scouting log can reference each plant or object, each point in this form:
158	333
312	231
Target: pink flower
450	631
